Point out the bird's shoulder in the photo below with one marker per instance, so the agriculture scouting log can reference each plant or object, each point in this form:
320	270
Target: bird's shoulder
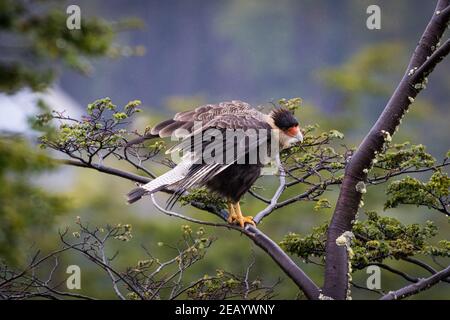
223	112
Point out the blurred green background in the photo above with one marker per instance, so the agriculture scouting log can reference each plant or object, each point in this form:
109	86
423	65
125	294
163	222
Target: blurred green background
209	51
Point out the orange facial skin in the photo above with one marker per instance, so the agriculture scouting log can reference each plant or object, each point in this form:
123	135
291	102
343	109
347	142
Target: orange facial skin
293	131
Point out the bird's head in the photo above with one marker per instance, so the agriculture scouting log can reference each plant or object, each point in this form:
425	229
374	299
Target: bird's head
285	121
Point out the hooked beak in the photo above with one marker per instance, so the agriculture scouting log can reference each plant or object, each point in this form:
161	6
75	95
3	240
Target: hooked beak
296	133
299	136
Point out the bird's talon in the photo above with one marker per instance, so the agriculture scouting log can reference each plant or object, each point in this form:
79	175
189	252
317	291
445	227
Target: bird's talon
249	220
241	220
232	218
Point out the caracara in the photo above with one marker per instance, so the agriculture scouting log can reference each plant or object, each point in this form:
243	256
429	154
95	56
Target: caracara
224	148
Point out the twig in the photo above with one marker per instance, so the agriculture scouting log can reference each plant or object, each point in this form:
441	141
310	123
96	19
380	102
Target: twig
110	274
193	220
247	273
273	202
395	271
259	197
310	289
357	286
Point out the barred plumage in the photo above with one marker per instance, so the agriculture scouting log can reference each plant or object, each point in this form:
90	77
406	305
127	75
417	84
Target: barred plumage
230	179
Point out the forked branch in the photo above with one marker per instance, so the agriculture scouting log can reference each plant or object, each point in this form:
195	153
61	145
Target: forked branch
426	56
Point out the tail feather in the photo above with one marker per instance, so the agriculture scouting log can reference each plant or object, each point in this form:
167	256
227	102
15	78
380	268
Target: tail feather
136	194
167	180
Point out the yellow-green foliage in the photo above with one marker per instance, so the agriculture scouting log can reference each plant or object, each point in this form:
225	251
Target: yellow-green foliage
308	246
377	238
405	155
322	203
94	131
412	191
292	104
204	196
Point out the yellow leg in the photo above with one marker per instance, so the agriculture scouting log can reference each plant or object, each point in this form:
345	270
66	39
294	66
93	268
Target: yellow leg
231	214
236	217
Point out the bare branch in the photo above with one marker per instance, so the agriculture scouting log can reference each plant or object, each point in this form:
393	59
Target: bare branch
273	202
397	272
310	289
427	67
423	265
105	169
284	261
110	273
417	287
193	220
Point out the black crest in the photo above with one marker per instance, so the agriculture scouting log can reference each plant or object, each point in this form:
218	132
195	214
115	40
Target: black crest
283	118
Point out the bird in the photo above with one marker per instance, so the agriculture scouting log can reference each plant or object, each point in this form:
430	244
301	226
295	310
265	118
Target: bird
236	124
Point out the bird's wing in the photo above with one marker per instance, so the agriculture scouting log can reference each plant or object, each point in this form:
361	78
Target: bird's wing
226	117
231	115
235	116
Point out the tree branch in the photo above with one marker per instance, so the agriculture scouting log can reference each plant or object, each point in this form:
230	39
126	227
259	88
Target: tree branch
310	289
302	280
382	179
417	287
336	270
423	265
404	275
427	67
193	220
105	169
